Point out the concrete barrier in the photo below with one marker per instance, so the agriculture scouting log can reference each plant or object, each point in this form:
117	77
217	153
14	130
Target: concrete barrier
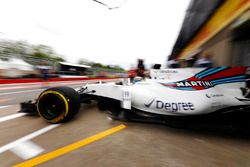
15	81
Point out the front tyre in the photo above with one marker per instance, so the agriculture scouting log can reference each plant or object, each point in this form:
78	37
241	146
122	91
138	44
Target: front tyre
58	104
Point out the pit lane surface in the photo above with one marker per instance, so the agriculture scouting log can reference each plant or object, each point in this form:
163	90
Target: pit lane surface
137	144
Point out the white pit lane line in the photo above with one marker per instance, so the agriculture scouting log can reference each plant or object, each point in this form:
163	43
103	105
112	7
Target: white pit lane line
12	116
23	147
1	107
26	150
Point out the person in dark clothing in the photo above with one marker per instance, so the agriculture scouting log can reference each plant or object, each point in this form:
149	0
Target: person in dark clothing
205	61
173	64
140	68
45	77
45	74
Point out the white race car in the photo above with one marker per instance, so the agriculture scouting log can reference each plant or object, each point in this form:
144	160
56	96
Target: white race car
204	95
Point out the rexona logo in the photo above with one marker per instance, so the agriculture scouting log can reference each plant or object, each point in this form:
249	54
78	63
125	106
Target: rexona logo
194	83
174	107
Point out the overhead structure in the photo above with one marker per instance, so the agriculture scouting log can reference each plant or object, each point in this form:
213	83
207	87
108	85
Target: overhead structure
197	14
204	20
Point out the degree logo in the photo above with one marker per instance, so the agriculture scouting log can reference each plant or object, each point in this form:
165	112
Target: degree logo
150	103
170	106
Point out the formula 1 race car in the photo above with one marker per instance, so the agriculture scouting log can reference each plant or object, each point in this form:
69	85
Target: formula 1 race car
208	95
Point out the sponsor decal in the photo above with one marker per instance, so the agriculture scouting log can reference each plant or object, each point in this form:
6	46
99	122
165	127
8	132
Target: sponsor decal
214	95
194	83
167	71
210	77
170	106
150	103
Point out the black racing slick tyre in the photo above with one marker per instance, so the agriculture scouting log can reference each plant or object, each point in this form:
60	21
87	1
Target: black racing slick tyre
58	104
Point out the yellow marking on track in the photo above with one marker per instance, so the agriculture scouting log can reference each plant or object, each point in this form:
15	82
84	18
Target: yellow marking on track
66	149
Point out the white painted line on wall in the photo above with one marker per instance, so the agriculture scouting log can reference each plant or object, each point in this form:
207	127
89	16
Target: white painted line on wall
24	91
26	150
56	84
38	85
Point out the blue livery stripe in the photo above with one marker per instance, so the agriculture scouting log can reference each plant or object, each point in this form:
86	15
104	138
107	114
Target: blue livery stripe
187	88
204	71
231	81
229	78
212	72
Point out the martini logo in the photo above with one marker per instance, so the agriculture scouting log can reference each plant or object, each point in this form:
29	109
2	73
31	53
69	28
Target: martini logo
174	107
194	83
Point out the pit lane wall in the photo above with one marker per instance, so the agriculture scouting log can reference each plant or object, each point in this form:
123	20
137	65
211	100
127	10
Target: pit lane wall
16	81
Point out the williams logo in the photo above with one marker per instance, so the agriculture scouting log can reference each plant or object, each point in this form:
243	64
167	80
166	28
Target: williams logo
214	95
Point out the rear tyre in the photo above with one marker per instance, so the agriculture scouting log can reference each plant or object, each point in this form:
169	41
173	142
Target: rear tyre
58	104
